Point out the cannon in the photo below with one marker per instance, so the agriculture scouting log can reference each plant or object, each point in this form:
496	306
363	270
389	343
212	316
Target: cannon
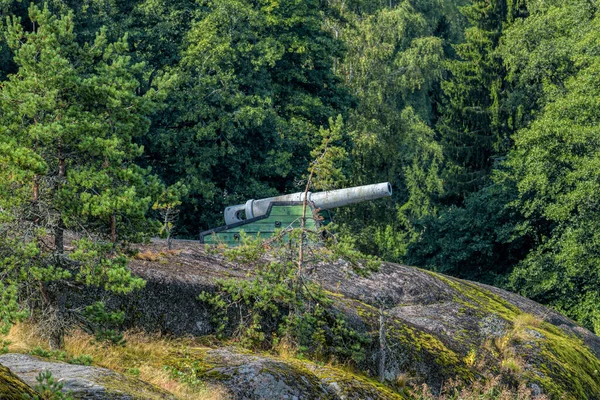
265	216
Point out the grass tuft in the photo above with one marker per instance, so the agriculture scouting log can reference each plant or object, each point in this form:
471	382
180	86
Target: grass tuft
143	356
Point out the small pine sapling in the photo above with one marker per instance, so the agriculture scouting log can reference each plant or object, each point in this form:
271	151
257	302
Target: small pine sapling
283	306
167	206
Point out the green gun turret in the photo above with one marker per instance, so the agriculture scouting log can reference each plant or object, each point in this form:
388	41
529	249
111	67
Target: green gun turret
266	216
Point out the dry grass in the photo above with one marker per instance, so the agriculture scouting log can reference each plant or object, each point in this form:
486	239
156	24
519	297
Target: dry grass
24	337
502	344
512	364
143	356
522	326
490	389
524	320
286	350
150	255
502	349
403	380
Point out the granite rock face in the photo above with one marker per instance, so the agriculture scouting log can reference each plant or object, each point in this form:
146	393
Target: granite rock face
437	327
11	387
254	377
84	382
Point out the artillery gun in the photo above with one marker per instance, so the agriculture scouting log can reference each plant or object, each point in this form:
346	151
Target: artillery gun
266	216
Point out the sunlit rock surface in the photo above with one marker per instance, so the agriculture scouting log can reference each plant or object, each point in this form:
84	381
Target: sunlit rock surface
438	327
84	382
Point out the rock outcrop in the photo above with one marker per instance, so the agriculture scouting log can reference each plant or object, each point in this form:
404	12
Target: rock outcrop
83	382
438	327
11	387
252	376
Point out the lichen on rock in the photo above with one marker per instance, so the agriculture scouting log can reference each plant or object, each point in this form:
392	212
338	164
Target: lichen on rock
437	328
11	387
83	382
251	376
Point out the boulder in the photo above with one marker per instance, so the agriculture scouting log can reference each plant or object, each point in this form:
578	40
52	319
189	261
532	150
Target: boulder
11	387
84	382
263	377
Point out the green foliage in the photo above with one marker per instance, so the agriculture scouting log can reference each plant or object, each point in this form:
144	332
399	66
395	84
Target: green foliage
325	171
69	116
77	110
10	309
105	323
167	206
49	389
481	114
555	166
540	54
281	304
278	304
479	241
394	64
189	373
83	359
4	346
471	126
245	103
524	86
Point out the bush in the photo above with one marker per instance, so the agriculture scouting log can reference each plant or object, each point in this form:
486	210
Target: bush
282	305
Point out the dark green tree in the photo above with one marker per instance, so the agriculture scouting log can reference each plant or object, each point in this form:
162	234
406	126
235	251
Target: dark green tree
473	125
479	241
69	117
252	88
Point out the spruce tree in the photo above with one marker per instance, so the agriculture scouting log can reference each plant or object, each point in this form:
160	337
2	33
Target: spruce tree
472	128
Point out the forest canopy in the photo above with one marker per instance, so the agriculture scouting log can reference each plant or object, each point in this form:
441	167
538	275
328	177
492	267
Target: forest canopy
483	114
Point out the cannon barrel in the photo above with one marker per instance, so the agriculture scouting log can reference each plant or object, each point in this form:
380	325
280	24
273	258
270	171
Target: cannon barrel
322	200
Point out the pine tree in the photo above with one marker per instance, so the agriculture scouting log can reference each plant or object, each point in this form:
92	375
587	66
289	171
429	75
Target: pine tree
69	117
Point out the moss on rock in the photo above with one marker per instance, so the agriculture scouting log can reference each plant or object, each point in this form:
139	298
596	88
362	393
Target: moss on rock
264	376
119	386
11	387
437	327
83	381
558	361
569	370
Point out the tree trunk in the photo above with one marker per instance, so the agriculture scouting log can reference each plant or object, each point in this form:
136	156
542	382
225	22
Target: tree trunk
36	188
56	336
53	317
59	230
382	345
59	236
166	221
113	228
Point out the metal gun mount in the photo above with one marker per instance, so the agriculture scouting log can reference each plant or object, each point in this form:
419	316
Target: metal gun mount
265	216
321	200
